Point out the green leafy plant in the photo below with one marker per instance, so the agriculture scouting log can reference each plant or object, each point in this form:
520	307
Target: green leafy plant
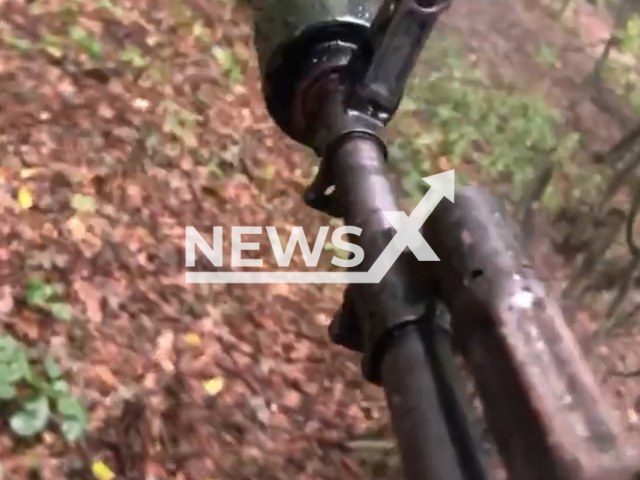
180	122
134	57
45	296
465	118
110	7
20	44
36	394
83	203
53	45
408	155
90	44
548	56
338	252
229	64
630	36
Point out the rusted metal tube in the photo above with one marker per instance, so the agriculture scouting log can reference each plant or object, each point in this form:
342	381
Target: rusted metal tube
405	349
417	415
541	401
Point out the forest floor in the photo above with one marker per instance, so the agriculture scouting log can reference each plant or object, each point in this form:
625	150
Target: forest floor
120	125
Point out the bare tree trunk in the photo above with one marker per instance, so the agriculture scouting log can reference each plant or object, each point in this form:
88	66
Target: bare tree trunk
529	202
625	157
602	240
594	79
623	145
628	281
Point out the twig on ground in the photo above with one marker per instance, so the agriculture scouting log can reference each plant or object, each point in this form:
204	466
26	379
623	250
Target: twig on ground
625	374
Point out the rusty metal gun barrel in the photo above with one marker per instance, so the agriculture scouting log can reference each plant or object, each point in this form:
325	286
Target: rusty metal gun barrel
333	75
541	401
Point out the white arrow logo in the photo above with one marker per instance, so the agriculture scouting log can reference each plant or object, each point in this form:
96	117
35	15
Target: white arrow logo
407	236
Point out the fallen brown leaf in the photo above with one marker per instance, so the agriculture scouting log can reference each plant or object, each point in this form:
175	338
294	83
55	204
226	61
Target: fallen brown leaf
105	375
443	164
92	299
6	300
164	351
27	326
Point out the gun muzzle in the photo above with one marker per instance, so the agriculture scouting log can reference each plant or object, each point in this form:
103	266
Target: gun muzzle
296	40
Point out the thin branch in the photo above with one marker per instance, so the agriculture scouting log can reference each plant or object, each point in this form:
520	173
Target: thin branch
625	374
